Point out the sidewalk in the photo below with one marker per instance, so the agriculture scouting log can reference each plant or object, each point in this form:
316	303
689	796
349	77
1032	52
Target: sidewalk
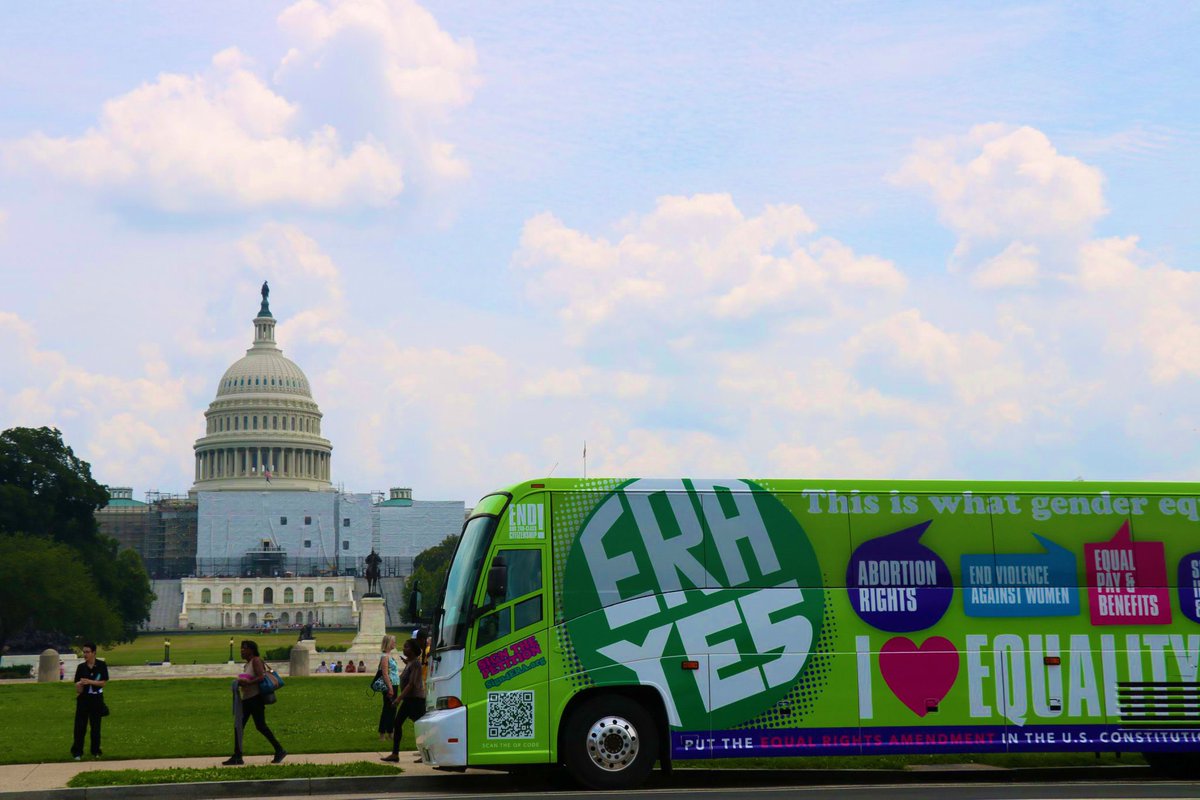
37	777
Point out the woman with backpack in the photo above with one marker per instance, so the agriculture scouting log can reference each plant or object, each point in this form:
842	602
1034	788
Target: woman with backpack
253	704
389	673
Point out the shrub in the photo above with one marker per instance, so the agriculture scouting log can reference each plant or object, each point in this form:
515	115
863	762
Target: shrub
333	648
16	671
278	653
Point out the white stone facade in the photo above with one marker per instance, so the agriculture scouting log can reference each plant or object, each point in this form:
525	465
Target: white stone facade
320	527
317	532
223	603
410	530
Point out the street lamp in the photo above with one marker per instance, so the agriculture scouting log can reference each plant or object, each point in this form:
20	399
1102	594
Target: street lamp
166	651
230	649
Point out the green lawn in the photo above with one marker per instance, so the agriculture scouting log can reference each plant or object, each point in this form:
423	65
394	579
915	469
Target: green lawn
250	772
208	648
192	717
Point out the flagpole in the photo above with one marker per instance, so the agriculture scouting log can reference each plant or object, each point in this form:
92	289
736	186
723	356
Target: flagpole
585	459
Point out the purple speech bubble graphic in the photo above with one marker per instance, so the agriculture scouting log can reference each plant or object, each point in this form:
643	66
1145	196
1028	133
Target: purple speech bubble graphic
1189	586
897	584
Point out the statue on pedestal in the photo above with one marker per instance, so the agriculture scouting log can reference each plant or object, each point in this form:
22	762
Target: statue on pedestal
373	574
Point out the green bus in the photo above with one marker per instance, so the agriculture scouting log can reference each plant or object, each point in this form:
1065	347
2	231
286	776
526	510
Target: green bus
608	624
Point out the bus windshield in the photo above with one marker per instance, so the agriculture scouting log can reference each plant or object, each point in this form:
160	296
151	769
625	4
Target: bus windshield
462	579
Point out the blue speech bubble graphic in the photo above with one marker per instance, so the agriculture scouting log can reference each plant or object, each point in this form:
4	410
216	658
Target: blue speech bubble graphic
1021	584
897	584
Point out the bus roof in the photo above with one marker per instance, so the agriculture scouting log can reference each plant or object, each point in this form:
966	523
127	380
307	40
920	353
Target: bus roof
876	486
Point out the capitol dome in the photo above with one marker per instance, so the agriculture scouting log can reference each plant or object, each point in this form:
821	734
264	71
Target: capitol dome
263	428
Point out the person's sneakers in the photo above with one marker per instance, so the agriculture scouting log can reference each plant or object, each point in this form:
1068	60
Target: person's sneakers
280	755
78	758
233	761
394	757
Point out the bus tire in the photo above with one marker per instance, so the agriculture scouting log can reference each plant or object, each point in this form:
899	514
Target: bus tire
610	742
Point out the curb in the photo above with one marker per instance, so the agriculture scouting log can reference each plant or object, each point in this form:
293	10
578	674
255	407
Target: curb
213	790
680	778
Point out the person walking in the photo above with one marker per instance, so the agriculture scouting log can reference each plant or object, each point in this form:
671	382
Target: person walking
252	705
90	677
411	696
389	670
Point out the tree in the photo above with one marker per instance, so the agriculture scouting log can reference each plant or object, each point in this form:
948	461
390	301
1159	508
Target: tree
46	586
438	556
429	571
48	493
45	490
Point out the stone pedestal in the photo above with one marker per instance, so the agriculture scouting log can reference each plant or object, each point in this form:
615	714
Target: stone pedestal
372	625
48	666
302	657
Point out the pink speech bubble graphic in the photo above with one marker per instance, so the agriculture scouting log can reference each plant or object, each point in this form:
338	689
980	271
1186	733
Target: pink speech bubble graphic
1127	581
919	676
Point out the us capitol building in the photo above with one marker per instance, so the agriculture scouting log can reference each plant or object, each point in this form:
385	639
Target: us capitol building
263	537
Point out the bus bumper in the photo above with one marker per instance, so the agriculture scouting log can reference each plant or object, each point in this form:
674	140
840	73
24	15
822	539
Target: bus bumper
442	737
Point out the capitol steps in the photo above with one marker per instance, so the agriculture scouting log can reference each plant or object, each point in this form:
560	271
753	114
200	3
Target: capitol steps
168	603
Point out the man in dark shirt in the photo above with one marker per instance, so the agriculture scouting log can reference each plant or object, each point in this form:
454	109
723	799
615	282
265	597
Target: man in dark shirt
90	677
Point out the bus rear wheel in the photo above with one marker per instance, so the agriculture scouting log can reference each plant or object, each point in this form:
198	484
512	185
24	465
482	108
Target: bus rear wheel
610	742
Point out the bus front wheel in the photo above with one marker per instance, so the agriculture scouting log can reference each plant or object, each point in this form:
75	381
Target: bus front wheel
610	742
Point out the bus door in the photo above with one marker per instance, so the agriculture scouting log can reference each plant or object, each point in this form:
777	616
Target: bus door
508	712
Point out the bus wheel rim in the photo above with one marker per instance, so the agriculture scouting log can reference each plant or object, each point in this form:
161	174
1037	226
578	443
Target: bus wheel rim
612	743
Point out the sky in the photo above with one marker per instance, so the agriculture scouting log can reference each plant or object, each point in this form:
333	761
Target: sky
856	240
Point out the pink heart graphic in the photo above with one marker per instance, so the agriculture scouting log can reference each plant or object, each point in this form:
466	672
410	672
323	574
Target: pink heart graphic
919	676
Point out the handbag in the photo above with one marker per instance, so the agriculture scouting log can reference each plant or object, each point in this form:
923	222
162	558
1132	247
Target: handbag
103	708
270	682
377	685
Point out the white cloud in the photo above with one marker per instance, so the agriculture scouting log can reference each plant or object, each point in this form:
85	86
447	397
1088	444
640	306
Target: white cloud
1016	266
422	64
1001	184
692	259
130	428
587	381
224	139
386	64
1139	305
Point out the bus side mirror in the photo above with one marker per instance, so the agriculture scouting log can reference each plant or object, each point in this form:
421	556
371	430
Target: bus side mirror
497	581
414	605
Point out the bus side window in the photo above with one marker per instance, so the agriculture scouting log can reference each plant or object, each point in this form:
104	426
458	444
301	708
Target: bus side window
528	611
524	578
494	626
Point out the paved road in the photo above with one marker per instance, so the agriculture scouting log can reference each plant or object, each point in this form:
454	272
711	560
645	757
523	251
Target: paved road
1032	791
1135	784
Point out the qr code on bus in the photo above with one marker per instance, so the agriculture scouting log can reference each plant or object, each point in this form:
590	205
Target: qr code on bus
510	715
